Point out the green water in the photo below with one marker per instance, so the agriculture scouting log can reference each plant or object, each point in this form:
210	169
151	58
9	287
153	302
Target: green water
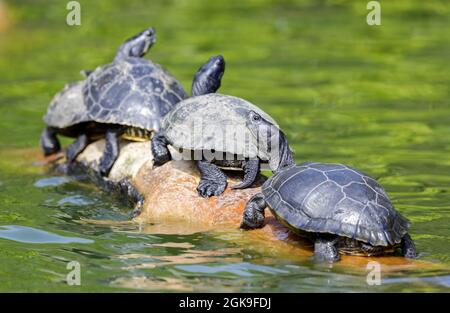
376	98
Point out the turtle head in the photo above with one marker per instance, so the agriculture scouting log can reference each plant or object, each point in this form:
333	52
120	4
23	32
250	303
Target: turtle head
209	76
138	45
271	141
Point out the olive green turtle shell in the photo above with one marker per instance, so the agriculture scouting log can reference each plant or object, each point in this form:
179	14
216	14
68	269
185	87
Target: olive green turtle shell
214	122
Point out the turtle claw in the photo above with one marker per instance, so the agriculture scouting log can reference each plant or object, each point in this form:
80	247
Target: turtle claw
104	169
213	182
251	171
111	152
137	209
160	152
71	155
105	165
207	188
76	148
253	216
241	185
252	219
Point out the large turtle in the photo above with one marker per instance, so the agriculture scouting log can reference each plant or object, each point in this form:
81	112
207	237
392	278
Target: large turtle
218	130
126	98
340	208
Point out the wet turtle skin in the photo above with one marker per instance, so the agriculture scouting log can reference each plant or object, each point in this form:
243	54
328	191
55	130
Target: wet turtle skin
336	199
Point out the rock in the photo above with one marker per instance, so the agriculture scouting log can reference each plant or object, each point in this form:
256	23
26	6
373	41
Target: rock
131	158
172	205
170	190
171	195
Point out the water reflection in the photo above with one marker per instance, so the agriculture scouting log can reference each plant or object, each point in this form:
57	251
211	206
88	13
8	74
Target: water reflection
376	100
32	235
52	181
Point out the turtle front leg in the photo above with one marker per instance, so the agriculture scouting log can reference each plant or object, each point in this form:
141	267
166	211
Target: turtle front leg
160	152
253	216
49	142
251	171
408	247
74	149
325	250
111	152
212	182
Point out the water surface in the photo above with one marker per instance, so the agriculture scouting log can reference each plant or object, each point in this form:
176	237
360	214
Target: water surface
376	98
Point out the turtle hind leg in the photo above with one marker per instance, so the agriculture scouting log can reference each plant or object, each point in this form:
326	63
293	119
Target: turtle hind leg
111	152
49	142
160	151
408	247
251	171
325	250
212	182
253	216
74	149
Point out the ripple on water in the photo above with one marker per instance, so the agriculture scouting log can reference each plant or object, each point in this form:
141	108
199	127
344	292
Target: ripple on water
438	280
76	200
26	234
52	181
239	269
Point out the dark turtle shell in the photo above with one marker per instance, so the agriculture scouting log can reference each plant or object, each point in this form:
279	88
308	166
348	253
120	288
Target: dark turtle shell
132	92
335	199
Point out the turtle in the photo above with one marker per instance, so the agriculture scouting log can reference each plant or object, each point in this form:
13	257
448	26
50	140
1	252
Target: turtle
126	98
65	110
341	209
220	131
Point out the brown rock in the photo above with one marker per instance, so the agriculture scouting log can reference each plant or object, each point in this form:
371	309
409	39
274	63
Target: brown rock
172	205
131	158
171	195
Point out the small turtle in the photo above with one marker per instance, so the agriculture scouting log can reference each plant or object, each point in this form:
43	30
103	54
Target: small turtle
126	98
342	209
218	130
